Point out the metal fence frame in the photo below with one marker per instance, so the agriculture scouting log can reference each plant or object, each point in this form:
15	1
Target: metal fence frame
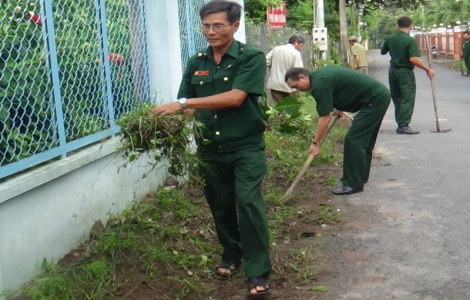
63	148
191	37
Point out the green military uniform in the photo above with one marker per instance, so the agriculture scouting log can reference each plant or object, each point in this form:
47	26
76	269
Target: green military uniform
344	89
234	152
401	76
466	54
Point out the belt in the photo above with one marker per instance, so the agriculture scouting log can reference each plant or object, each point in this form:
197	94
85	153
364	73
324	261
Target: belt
395	68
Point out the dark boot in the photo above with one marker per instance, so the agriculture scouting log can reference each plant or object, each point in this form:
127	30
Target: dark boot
403	128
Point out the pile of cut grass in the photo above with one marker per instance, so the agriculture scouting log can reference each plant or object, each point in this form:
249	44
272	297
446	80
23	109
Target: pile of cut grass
159	136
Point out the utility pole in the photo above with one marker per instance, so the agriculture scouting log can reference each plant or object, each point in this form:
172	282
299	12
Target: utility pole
320	32
343	29
314	3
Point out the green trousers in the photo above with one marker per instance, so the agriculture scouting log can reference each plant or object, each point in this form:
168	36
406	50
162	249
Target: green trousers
360	141
403	89
467	63
233	192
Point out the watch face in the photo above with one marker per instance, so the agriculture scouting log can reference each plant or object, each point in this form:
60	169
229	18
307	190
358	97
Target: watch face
182	101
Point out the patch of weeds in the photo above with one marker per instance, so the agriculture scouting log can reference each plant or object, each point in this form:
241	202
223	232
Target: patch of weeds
280	216
89	280
167	246
325	214
167	237
304	262
330	181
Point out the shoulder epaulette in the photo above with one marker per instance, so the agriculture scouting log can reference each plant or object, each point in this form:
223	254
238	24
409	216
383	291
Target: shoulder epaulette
248	49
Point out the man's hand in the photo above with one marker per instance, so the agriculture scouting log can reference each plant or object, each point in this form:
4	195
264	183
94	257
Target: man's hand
167	108
314	150
461	54
430	73
190	111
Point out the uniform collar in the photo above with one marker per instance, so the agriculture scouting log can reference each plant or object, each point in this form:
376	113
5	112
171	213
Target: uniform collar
232	50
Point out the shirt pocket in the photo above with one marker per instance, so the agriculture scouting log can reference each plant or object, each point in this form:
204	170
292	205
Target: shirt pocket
224	79
203	85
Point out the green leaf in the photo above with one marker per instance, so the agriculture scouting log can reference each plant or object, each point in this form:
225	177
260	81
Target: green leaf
289	106
319	288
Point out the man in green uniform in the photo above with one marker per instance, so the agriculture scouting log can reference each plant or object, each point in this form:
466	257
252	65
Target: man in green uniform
336	89
221	86
404	55
465	54
359	55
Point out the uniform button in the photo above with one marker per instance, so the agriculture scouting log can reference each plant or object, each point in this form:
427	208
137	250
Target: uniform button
220	147
241	49
217	133
199	54
201	83
225	78
218	67
215	117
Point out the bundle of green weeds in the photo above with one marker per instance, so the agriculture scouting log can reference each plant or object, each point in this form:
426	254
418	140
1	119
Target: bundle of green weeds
160	136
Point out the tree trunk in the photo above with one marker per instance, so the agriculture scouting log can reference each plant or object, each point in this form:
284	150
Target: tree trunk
343	29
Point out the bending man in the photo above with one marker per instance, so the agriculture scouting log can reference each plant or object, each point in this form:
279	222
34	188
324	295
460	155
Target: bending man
336	89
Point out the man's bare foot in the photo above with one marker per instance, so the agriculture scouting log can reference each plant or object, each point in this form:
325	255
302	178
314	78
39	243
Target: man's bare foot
258	286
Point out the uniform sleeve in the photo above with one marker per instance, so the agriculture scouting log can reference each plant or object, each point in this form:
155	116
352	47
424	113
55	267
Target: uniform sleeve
298	63
186	89
354	50
269	58
467	50
413	50
384	50
250	74
324	99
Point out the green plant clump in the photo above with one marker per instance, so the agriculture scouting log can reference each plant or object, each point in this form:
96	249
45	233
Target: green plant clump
159	136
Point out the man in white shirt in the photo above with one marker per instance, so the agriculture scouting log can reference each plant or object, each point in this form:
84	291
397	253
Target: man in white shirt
279	60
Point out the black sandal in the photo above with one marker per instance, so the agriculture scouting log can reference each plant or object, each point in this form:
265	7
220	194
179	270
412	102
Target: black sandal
258	282
229	266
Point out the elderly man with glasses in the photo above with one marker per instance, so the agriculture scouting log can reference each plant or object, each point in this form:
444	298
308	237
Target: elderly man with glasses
221	86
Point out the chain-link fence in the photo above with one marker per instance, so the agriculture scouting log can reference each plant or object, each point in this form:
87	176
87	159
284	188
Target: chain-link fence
266	38
68	70
191	37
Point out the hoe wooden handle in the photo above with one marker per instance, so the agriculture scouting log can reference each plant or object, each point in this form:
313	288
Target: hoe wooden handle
307	163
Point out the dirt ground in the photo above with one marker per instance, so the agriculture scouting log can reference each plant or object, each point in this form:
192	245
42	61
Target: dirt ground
323	245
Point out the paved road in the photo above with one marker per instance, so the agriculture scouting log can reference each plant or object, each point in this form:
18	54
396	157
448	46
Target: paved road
417	245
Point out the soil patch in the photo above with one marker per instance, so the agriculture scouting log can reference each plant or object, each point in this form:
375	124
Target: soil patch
313	246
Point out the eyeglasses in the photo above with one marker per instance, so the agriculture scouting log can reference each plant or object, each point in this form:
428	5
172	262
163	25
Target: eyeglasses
216	27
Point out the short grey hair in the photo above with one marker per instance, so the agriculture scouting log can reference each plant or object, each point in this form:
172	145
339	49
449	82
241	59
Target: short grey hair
296	38
233	9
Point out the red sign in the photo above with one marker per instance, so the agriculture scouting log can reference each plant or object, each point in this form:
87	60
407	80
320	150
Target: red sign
277	16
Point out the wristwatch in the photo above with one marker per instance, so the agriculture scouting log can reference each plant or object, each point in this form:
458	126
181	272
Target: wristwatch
182	101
